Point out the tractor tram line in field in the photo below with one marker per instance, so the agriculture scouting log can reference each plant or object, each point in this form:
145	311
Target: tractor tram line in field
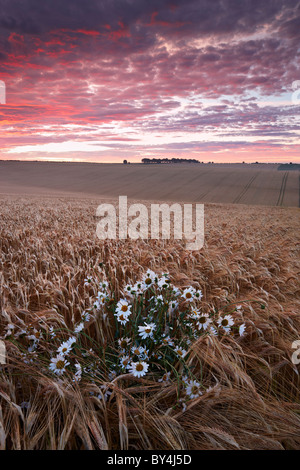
282	189
243	192
212	188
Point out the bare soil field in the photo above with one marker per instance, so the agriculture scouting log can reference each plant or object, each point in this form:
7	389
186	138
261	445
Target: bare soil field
251	393
256	184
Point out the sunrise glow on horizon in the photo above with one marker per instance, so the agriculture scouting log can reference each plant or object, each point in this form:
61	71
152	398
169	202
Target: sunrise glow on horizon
104	81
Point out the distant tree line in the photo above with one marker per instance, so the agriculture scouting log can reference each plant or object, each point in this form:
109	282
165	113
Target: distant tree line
169	160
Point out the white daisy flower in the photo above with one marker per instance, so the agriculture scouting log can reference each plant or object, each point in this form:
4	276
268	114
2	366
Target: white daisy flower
176	291
96	305
149	278
144	354
128	288
78	373
147	330
163	283
198	294
101	295
9	327
21	332
185	380
124	343
188	294
101	301
193	389
36	335
195	314
103	285
213	330
165	378
158	299
203	321
52	332
124	361
122	317
72	340
174	305
242	329
58	364
64	348
123	307
88	281
138	288
156	356
79	327
180	352
137	350
225	322
138	369
85	316
166	340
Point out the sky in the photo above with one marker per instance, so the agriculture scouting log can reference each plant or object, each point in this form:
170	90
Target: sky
108	80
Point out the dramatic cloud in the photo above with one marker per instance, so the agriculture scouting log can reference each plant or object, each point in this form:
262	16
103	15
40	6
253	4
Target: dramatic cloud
113	79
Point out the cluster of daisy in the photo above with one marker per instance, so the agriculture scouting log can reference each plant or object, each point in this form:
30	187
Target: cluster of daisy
157	324
30	334
154	325
59	363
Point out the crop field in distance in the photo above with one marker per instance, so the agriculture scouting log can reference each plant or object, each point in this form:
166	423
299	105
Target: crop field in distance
254	184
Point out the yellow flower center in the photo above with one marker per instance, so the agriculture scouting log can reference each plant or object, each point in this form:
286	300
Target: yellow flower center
60	364
188	295
148	330
139	367
202	320
224	322
124	308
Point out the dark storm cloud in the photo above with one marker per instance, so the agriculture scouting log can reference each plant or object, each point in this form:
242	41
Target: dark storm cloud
131	61
201	16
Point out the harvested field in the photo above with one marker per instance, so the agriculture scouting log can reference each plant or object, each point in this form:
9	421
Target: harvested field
256	184
48	247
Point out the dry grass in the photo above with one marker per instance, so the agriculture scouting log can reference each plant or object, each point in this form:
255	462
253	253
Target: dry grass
48	246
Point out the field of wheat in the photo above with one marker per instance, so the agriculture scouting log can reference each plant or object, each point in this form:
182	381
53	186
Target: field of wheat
243	390
257	184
